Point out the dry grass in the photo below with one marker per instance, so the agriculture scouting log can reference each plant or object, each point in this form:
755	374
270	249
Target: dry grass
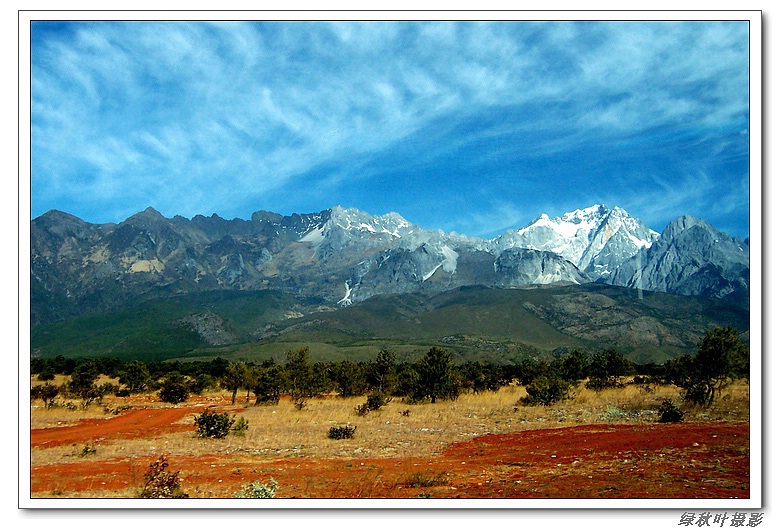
397	430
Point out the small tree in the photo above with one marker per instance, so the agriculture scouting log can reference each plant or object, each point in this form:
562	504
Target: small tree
82	382
573	367
46	392
201	383
47	373
721	358
606	369
269	383
300	378
235	378
174	389
381	372
135	376
349	378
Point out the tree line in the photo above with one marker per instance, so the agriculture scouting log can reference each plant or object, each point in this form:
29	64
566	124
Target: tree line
721	358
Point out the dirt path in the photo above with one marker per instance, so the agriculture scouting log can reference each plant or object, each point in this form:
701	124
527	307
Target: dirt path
135	423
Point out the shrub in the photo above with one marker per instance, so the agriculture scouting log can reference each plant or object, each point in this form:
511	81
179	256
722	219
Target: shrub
669	412
160	483
214	425
374	402
46	392
342	432
241	426
88	450
546	390
46	374
174	389
257	490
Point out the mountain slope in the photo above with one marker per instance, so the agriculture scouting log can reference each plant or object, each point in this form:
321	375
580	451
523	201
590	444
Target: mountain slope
690	258
485	323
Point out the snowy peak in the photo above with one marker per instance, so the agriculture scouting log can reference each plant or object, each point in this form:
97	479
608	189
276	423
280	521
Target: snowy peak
589	216
582	235
358	223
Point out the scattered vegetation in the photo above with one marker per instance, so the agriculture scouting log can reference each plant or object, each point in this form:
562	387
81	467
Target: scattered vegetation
548	381
88	450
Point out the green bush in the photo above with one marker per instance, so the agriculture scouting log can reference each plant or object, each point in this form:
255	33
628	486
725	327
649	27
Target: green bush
342	432
374	402
546	390
174	389
670	412
257	490
241	426
46	392
214	425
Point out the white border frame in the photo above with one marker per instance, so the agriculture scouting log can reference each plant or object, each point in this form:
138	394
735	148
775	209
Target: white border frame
756	216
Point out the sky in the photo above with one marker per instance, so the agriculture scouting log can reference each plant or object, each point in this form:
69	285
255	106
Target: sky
461	126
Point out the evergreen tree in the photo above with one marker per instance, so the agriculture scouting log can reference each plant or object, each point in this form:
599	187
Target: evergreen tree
436	377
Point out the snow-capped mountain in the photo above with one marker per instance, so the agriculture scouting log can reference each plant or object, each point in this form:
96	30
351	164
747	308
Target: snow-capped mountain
346	256
595	239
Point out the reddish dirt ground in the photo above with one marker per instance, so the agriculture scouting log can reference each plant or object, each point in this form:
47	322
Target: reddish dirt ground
681	460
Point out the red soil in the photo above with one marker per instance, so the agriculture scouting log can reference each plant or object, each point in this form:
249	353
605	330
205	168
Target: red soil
682	460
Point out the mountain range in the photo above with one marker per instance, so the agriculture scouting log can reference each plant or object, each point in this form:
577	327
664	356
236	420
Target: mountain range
345	256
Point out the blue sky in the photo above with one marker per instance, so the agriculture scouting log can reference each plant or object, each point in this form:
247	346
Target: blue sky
466	127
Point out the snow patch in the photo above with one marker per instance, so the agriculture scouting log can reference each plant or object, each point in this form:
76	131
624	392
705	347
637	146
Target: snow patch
639	243
450	263
315	236
345	301
427	276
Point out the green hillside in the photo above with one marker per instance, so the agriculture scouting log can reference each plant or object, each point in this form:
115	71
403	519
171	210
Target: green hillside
474	323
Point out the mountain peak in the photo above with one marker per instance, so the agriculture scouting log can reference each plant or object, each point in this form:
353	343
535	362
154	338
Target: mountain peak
148	214
596	211
686	222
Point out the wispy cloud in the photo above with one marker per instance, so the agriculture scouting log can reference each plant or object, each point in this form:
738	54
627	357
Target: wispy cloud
227	117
